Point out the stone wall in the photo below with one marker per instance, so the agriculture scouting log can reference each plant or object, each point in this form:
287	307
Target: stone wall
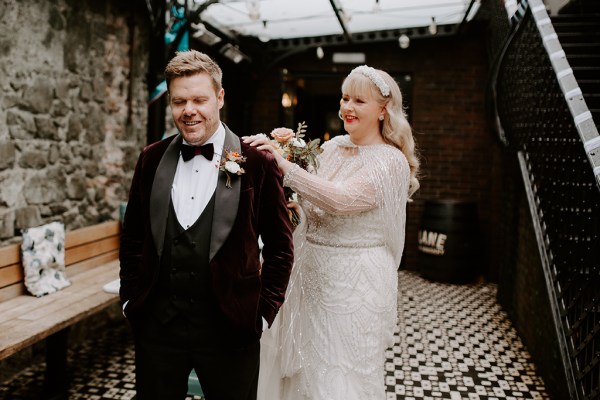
72	110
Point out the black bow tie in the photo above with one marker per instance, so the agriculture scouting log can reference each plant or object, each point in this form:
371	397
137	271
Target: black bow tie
188	152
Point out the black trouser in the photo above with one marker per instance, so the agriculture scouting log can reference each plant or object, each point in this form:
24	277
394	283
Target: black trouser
166	353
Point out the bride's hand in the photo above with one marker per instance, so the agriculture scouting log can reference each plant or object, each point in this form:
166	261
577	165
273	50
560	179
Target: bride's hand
293	205
261	142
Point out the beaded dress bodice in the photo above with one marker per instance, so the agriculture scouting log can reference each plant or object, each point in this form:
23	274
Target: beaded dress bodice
357	192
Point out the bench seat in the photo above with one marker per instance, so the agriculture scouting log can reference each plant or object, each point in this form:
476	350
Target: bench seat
25	320
91	260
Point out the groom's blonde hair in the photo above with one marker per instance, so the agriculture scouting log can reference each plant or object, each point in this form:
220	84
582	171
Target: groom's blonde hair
192	62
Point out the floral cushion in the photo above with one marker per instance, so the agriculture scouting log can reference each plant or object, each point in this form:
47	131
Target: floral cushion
43	257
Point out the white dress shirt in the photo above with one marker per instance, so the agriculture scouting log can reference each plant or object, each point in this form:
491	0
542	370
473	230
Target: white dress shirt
195	181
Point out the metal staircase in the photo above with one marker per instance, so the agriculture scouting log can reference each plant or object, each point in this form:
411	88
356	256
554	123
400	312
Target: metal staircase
578	30
547	95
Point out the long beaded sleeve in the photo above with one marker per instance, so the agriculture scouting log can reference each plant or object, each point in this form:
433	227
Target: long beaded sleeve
353	195
363	189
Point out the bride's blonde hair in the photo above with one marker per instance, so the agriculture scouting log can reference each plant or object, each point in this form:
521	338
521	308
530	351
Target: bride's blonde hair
394	128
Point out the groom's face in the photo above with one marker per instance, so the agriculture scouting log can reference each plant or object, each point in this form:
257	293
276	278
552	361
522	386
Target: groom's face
195	106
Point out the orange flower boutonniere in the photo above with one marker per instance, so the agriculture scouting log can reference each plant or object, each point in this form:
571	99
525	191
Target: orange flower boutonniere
231	163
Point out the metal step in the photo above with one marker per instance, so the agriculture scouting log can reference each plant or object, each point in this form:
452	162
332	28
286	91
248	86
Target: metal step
586	73
579	37
584	60
581	7
575	25
581	48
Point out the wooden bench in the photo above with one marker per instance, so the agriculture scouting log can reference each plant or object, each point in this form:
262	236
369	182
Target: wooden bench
91	258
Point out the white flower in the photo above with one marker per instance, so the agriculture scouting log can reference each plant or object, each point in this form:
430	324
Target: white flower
232	166
298	143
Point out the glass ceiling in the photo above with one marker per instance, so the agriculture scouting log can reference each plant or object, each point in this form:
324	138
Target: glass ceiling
286	19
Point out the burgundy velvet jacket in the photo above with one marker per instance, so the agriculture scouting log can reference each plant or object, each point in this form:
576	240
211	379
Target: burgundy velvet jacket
254	205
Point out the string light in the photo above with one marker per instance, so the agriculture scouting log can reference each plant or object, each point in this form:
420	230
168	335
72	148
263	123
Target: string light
320	53
433	26
376	6
264	36
404	41
253	7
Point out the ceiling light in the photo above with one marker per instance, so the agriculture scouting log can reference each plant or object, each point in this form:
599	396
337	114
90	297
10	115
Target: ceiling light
376	6
404	41
204	35
432	27
349	58
232	53
320	53
253	7
286	100
263	35
346	16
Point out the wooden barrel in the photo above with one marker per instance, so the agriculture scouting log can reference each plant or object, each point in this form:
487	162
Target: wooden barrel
449	246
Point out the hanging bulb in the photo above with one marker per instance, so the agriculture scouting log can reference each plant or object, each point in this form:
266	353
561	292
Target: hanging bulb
264	36
320	53
404	41
346	17
253	7
376	6
286	100
432	27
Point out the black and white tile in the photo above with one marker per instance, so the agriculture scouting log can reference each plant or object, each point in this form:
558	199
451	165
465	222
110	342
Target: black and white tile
456	342
452	342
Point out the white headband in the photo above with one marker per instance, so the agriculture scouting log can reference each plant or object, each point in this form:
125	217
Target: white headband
374	76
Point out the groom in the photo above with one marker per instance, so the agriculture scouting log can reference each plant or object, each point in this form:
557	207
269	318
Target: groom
192	284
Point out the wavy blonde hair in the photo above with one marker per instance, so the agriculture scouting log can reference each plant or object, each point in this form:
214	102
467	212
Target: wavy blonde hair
394	128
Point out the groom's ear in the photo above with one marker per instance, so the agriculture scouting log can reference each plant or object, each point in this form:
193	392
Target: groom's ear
221	98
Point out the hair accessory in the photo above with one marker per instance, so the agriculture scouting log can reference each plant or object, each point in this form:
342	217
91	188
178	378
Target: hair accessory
374	76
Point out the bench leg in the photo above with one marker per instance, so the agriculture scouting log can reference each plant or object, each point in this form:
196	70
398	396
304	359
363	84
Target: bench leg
56	385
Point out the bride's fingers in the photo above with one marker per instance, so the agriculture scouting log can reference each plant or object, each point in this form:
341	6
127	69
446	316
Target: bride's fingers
255	142
293	206
267	147
254	139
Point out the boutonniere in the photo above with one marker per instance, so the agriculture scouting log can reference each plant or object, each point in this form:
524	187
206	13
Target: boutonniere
231	163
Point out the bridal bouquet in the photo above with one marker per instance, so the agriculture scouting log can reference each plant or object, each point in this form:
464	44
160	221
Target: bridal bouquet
294	148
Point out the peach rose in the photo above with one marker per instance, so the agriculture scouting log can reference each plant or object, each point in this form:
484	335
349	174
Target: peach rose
282	135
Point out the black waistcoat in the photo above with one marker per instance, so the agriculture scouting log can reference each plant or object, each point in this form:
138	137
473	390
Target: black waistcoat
184	278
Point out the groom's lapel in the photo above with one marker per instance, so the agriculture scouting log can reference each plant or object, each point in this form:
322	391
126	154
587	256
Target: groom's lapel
226	199
160	196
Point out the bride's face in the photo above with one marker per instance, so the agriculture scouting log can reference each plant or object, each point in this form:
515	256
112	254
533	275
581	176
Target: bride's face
360	112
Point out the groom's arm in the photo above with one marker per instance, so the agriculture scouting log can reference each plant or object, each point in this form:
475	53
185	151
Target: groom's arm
276	233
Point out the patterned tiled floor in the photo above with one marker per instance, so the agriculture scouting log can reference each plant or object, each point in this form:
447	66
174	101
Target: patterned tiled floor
453	342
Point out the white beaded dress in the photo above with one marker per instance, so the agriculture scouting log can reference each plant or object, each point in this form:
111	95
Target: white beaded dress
329	339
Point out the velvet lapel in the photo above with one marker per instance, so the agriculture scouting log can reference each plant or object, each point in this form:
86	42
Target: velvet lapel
226	199
160	197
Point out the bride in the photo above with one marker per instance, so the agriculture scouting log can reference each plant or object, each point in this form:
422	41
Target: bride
329	339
